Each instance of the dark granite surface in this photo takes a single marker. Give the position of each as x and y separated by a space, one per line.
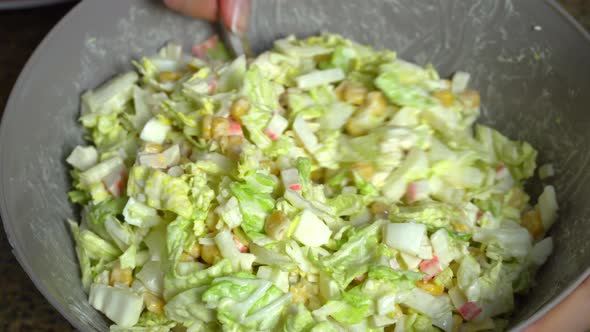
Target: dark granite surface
23 308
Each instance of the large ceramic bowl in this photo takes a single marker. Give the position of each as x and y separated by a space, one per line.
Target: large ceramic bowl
530 61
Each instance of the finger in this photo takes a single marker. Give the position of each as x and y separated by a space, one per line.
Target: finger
569 315
206 9
235 14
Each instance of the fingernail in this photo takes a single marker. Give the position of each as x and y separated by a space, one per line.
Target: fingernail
235 14
241 16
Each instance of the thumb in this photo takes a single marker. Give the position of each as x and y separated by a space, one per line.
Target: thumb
235 14
206 9
569 315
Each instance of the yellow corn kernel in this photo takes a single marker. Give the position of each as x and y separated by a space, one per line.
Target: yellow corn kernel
375 103
445 97
318 175
206 126
364 169
210 254
271 166
153 303
239 107
231 145
184 257
470 98
152 148
223 140
191 66
322 57
379 208
167 76
235 141
354 127
300 293
340 89
211 221
276 225
354 93
430 287
219 127
517 198
474 251
460 228
121 276
531 220
195 250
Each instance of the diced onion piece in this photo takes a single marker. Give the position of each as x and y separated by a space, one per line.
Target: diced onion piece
381 321
154 131
115 182
304 133
541 250
164 159
438 308
385 304
311 231
175 171
96 173
412 262
111 95
319 77
425 249
226 245
120 305
442 247
284 46
417 191
140 215
546 171
460 81
406 237
290 179
83 157
457 297
276 276
547 207
152 277
276 126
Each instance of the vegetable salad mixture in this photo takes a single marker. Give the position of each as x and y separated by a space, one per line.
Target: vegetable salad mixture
321 186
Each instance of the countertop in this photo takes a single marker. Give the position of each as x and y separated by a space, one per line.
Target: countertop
23 307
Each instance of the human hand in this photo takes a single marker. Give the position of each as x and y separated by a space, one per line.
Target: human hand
233 13
572 314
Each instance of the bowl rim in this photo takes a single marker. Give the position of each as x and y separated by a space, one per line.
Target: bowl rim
69 315
4 213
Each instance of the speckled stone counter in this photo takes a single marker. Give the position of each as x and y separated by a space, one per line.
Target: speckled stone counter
23 308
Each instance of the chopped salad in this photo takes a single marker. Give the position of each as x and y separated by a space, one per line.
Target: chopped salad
321 186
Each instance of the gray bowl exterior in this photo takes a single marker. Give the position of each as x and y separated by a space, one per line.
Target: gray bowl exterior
534 85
